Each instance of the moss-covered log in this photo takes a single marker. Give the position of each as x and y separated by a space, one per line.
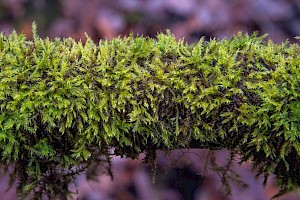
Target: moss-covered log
65 104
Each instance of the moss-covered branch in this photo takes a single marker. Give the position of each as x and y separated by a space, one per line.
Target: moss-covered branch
64 104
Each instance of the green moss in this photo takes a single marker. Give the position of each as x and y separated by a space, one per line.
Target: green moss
65 104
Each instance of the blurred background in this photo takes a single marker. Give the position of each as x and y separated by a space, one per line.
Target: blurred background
190 19
182 174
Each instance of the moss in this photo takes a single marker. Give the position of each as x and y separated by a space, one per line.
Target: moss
65 104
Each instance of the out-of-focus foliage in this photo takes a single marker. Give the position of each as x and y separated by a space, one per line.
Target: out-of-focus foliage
65 104
190 19
20 14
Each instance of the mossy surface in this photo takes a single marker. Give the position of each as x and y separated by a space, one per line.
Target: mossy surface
65 104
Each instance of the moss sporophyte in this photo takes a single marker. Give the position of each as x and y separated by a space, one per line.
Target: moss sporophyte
65 104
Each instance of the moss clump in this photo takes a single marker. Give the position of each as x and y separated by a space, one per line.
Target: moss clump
64 104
